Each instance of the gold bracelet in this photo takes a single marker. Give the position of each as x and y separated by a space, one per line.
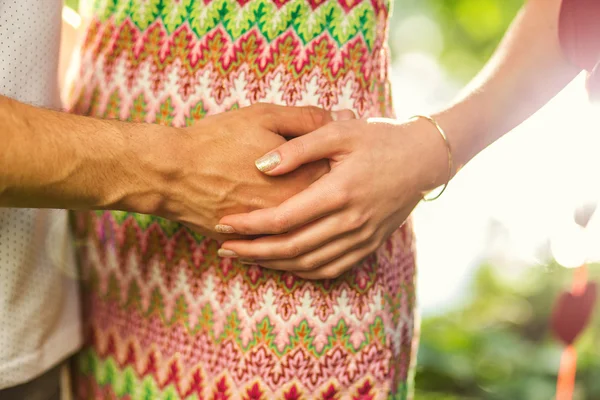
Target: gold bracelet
448 149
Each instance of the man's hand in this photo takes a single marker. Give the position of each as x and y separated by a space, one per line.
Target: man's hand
192 175
208 169
379 171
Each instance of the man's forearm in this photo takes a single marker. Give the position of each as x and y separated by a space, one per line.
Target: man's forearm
50 159
192 175
527 70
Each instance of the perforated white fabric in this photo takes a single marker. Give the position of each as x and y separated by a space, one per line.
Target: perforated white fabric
39 307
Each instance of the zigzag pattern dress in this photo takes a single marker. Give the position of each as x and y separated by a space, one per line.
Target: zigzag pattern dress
165 317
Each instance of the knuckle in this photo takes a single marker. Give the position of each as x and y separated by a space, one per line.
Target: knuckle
341 197
307 265
281 223
263 110
338 133
291 250
356 220
297 147
374 245
367 235
313 116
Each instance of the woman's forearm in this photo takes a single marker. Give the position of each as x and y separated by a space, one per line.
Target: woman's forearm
527 70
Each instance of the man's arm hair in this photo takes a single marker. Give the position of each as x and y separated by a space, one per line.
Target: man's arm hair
51 159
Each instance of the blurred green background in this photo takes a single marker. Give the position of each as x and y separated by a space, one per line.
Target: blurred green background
470 31
495 343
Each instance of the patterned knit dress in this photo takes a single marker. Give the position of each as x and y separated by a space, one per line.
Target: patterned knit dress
165 317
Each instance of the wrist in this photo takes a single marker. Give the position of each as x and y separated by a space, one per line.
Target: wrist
147 170
430 148
458 133
436 169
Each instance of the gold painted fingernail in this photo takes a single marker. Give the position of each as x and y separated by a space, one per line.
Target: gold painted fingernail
224 229
226 253
268 161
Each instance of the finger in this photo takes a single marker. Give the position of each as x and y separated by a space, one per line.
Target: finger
309 240
295 121
319 199
323 255
337 267
320 144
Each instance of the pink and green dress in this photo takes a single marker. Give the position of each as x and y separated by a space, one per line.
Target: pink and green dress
165 317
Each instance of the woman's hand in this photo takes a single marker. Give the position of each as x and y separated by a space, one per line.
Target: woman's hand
379 171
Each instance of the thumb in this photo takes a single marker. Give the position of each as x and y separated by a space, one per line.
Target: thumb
297 121
301 150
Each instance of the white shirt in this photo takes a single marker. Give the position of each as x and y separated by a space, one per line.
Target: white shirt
39 306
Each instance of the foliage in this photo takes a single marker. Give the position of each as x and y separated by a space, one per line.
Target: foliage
497 346
470 30
74 4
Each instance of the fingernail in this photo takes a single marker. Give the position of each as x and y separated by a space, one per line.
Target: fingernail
343 115
226 253
247 261
224 229
268 161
